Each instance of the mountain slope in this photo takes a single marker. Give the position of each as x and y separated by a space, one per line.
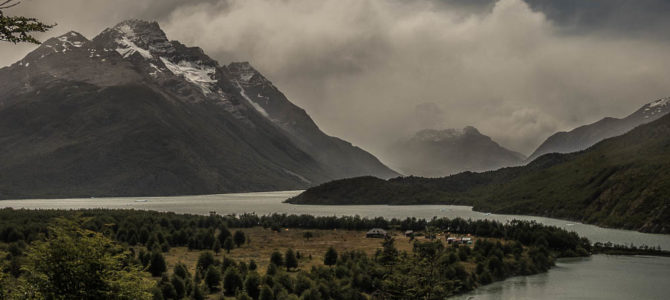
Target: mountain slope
434 153
132 113
344 159
586 136
621 182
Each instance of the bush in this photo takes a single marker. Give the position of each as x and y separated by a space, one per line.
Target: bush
157 265
232 282
290 260
212 278
276 259
331 257
252 285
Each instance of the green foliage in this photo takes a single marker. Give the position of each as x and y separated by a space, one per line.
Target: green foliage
74 263
157 264
205 260
228 244
18 29
276 259
212 278
239 238
266 293
330 258
620 182
252 285
290 260
217 246
232 281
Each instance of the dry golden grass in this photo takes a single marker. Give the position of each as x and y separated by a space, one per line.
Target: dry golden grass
265 241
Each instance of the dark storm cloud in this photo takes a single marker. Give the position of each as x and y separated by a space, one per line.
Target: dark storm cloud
373 71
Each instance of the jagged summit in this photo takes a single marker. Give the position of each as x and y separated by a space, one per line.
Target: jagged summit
136 37
133 113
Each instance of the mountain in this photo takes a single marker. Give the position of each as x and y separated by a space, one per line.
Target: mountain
339 156
621 182
586 136
130 113
437 153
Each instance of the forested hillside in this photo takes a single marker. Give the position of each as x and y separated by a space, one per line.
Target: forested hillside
621 182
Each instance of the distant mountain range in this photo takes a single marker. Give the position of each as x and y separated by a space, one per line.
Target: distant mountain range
131 113
586 136
437 153
621 182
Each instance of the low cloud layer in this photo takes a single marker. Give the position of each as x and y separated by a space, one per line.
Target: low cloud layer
373 71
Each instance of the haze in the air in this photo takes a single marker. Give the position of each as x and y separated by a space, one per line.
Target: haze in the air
373 72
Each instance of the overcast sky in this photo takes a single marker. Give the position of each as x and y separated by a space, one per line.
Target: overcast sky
372 72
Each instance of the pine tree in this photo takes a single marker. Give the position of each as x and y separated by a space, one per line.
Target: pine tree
157 265
228 245
205 260
331 257
232 281
266 293
212 278
276 258
290 260
252 285
217 246
240 238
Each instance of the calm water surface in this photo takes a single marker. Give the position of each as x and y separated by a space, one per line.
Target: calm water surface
600 277
597 277
271 202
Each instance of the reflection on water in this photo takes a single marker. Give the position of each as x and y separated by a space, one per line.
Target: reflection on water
597 277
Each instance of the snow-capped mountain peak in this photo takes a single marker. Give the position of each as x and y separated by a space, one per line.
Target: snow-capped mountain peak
659 106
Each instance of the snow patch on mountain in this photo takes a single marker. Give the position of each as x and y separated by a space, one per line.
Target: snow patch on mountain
195 73
127 48
254 104
655 107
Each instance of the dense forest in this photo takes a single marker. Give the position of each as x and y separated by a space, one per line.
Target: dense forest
622 182
119 254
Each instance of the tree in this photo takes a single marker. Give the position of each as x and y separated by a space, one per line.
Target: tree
228 244
307 235
179 286
212 278
74 263
217 246
276 258
232 281
266 293
252 285
240 238
290 260
252 265
157 265
18 29
181 271
197 293
205 260
331 257
224 233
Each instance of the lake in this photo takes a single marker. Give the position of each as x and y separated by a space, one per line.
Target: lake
597 277
272 202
